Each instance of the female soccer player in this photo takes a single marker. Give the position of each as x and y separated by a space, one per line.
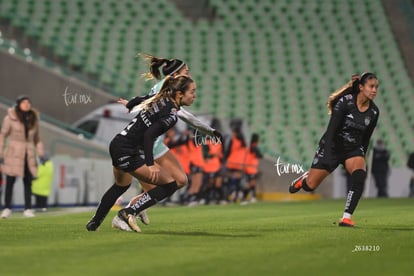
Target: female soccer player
162 154
353 119
132 150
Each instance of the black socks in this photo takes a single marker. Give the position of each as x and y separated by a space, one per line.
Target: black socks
305 186
354 194
151 197
108 200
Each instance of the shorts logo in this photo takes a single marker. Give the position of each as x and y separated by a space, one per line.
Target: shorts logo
124 165
123 158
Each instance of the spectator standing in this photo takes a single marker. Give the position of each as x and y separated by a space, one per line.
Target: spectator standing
381 168
42 184
410 164
21 130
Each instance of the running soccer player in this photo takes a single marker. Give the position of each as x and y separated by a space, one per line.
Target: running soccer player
132 149
354 116
162 155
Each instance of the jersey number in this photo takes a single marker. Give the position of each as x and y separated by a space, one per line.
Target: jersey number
125 131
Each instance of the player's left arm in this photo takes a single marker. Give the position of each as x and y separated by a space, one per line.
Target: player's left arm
369 131
195 122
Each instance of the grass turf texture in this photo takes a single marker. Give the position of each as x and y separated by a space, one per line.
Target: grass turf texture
257 239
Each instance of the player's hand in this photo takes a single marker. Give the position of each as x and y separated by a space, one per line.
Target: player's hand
122 101
154 173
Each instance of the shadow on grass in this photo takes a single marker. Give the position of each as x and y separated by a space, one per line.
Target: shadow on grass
201 233
389 228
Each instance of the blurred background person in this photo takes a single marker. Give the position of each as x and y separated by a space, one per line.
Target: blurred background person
234 158
1 188
213 155
410 165
196 176
42 184
251 169
178 144
20 132
381 168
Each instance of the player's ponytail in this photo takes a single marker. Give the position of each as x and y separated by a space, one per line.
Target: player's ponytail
154 65
169 67
168 90
334 97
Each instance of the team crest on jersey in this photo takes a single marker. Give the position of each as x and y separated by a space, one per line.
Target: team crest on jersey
173 111
367 121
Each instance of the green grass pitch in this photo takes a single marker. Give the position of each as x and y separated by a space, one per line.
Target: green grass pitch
284 238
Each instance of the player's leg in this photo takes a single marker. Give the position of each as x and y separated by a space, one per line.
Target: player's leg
122 183
308 181
321 167
166 186
356 168
166 159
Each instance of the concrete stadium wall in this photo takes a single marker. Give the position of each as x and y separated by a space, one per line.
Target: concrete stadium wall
83 181
54 94
398 184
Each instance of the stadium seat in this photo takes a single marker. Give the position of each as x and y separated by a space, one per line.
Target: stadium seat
275 60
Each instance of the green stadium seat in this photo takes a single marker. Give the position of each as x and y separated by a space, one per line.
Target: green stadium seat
260 59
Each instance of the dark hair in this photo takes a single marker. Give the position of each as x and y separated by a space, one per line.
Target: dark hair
21 98
169 89
352 87
169 66
254 139
30 119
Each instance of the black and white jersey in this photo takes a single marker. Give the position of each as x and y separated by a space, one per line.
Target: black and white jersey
140 134
349 128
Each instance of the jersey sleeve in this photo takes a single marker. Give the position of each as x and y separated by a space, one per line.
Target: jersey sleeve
136 101
337 117
139 99
156 129
193 121
369 131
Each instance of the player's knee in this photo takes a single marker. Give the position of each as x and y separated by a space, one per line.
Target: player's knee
181 180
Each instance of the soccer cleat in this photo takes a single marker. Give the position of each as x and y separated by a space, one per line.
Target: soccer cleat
346 222
28 213
296 184
120 224
6 213
130 219
92 225
144 217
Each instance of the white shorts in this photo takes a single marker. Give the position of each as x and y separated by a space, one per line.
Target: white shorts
159 148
